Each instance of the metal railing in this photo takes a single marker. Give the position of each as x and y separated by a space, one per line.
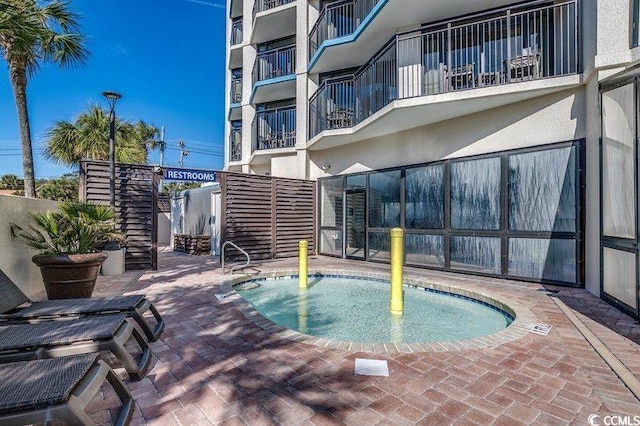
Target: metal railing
510 46
275 128
236 31
262 5
235 145
234 267
274 63
236 91
338 19
332 105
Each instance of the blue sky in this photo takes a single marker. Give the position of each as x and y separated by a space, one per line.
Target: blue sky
167 59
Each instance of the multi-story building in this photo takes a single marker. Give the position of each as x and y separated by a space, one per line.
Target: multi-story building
476 126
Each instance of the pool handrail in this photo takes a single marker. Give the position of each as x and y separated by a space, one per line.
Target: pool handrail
232 244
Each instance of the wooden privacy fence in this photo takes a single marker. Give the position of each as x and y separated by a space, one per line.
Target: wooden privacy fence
267 216
136 206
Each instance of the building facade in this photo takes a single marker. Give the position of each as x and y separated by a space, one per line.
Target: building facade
474 126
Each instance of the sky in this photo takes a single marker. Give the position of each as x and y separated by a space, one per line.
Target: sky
166 58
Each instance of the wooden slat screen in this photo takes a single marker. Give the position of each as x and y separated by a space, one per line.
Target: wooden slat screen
136 206
267 216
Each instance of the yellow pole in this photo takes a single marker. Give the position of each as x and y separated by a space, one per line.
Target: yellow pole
303 249
397 255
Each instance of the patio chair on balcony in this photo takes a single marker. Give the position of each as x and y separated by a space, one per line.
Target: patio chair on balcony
340 118
54 339
523 67
57 390
16 306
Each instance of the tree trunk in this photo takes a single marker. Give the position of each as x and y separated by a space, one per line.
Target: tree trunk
18 75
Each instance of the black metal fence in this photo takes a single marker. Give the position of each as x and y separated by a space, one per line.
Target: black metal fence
275 128
512 45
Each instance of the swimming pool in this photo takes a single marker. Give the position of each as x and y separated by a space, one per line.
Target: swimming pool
348 308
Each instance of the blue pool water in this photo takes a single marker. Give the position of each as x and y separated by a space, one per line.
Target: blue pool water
357 309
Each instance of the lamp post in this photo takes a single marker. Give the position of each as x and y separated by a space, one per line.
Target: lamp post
112 97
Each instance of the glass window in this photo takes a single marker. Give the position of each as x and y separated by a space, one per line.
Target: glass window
548 259
542 191
619 275
424 197
384 199
475 194
618 158
331 242
425 250
331 202
479 254
356 181
379 246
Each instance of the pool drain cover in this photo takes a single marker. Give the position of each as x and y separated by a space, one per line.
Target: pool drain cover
245 286
371 367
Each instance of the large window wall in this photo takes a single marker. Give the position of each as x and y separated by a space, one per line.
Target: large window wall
512 214
619 189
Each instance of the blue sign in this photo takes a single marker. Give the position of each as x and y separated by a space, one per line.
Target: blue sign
189 175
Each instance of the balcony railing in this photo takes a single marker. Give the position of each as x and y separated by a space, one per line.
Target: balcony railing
236 91
262 5
275 63
338 20
235 145
275 128
331 107
236 31
510 46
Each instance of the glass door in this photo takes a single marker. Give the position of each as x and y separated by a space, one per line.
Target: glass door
355 224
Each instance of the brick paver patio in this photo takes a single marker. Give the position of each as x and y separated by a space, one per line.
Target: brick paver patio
215 366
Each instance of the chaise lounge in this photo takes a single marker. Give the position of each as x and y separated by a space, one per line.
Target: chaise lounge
53 339
57 389
16 306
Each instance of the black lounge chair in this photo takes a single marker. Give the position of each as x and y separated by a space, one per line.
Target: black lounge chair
16 306
58 390
53 339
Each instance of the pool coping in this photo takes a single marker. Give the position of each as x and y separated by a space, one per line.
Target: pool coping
524 319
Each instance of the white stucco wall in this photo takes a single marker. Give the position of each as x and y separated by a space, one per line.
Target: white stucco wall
548 119
15 261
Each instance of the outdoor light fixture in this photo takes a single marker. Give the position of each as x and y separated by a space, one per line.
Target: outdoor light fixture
112 98
326 167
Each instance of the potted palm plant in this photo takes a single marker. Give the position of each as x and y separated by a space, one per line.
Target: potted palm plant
68 242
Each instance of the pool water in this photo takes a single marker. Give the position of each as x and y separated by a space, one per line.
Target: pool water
357 309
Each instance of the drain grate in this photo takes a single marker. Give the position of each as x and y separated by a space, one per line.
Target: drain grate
371 367
542 329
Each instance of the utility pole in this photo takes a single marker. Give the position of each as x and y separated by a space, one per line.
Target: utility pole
162 145
183 153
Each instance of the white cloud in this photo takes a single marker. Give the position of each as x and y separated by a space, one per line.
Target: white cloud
207 3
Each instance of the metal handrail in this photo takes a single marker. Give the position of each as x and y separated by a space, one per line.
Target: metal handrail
226 243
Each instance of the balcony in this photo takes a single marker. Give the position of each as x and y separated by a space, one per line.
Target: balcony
274 75
236 31
273 19
235 43
275 128
511 46
235 145
235 99
348 33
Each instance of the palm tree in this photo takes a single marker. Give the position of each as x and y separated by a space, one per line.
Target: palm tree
88 138
32 33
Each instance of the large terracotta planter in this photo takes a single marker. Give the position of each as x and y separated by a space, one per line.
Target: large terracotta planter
69 276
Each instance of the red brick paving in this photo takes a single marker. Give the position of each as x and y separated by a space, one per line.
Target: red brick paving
215 366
